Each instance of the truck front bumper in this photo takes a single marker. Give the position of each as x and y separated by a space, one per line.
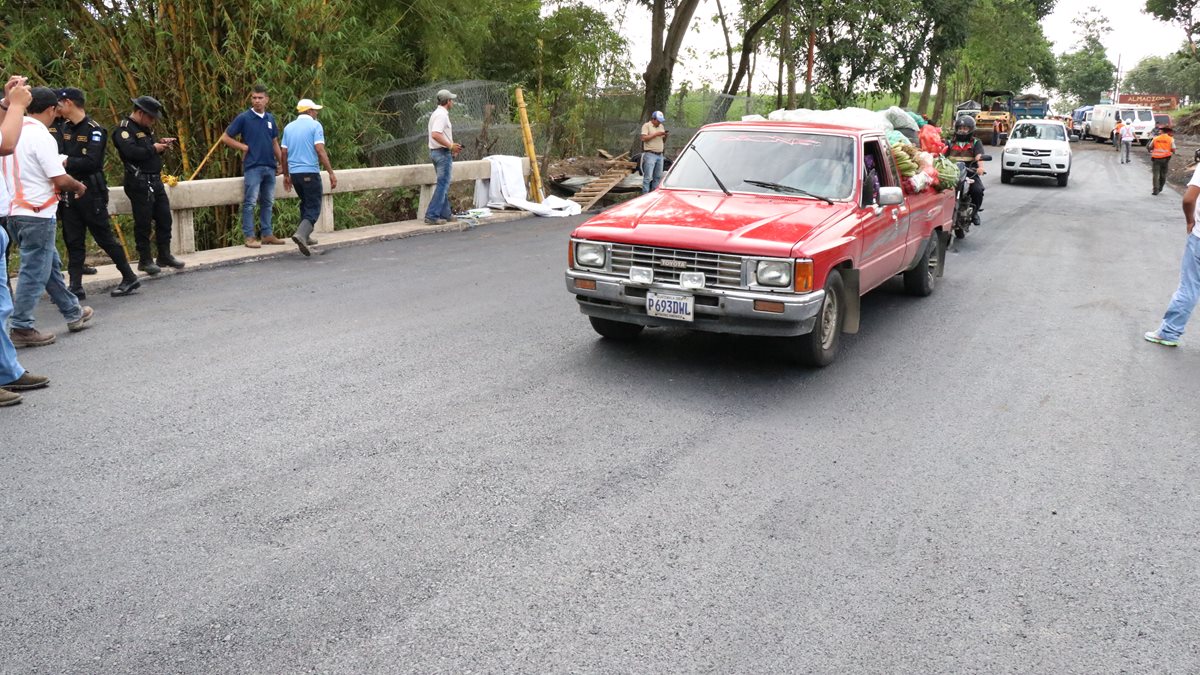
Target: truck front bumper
715 310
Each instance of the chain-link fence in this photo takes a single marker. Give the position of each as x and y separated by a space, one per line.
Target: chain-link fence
615 117
483 117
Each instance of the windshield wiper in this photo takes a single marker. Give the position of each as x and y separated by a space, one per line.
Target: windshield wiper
710 170
779 187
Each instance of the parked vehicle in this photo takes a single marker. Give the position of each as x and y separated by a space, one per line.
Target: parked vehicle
996 119
1104 121
1160 120
762 228
1079 119
1028 106
1087 125
1037 148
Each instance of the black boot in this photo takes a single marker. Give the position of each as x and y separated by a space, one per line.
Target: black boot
165 259
146 263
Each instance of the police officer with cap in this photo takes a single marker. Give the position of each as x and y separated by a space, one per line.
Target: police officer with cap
142 156
82 141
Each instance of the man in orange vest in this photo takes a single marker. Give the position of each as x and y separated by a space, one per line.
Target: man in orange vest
34 174
1116 135
1161 150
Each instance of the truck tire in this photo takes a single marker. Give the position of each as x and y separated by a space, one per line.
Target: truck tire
615 330
1062 179
920 280
1006 176
820 347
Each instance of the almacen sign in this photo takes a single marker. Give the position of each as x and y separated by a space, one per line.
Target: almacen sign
1160 102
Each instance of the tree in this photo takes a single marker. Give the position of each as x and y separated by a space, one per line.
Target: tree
666 38
1177 74
1183 13
1086 73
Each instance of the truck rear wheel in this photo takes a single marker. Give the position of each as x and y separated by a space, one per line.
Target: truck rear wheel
820 347
920 280
615 330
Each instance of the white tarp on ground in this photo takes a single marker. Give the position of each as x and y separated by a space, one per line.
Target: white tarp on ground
506 188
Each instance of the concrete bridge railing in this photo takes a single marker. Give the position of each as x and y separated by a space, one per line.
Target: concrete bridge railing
188 196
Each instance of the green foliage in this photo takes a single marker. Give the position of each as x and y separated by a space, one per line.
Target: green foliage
1175 74
1182 13
1086 72
1021 57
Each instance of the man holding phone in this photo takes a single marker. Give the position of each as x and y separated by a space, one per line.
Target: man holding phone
142 156
654 136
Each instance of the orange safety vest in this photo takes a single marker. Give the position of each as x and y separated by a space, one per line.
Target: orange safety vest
1160 147
19 188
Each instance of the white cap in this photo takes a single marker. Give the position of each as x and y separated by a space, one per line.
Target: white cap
307 104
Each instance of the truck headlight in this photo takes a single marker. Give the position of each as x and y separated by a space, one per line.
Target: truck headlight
1012 150
1061 152
588 254
774 273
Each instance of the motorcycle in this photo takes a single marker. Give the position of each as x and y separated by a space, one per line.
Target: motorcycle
964 210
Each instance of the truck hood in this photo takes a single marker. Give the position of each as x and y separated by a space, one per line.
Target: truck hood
1037 144
746 224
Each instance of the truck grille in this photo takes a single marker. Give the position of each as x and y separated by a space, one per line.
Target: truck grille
720 270
1035 153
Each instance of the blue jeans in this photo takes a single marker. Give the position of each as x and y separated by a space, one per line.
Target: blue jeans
260 187
10 370
443 163
41 269
308 189
1184 300
652 167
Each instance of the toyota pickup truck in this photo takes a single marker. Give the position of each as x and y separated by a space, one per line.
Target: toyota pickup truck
762 228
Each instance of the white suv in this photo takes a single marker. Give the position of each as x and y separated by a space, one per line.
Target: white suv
1037 148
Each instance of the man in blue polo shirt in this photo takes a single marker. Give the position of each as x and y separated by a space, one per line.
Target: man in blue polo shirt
260 164
303 146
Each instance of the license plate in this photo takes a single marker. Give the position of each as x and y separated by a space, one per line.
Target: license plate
1035 162
670 306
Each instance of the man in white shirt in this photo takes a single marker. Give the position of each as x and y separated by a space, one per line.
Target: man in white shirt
13 378
1127 138
1184 300
35 174
442 151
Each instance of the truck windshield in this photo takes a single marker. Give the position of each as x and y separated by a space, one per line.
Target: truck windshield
1145 116
1044 132
816 163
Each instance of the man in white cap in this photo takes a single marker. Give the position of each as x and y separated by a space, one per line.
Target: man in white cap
442 151
654 136
302 147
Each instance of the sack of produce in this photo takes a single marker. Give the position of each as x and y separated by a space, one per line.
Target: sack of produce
899 118
931 139
895 137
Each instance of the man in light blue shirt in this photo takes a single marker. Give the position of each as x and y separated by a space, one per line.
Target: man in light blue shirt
302 147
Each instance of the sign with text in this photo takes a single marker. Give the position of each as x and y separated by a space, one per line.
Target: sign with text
1160 102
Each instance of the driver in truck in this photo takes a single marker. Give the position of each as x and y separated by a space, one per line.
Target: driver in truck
965 148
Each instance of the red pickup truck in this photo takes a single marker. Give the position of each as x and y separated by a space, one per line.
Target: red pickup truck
762 228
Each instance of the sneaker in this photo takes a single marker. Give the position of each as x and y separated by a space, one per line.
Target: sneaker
1153 336
30 337
8 398
78 293
126 287
252 242
147 265
273 240
26 382
82 322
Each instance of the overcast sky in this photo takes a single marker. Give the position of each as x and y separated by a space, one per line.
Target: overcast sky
1135 35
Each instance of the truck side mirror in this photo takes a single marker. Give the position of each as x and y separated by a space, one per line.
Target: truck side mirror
891 196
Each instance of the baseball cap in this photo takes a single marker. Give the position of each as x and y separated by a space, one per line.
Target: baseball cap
658 116
307 104
43 97
70 94
445 95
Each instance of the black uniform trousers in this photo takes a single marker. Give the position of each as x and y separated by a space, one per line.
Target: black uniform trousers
89 214
151 208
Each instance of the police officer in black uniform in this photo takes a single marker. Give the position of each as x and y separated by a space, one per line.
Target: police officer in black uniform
83 141
142 156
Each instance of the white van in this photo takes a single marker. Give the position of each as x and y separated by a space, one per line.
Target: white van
1104 120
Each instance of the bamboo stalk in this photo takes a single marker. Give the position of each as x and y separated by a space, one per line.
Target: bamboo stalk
535 175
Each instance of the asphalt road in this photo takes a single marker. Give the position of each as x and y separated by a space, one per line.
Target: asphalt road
415 456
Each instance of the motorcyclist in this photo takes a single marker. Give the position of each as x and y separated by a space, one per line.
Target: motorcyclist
965 148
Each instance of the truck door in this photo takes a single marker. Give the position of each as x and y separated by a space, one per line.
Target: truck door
883 229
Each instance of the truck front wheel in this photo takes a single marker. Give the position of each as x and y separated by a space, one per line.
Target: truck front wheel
820 347
615 330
